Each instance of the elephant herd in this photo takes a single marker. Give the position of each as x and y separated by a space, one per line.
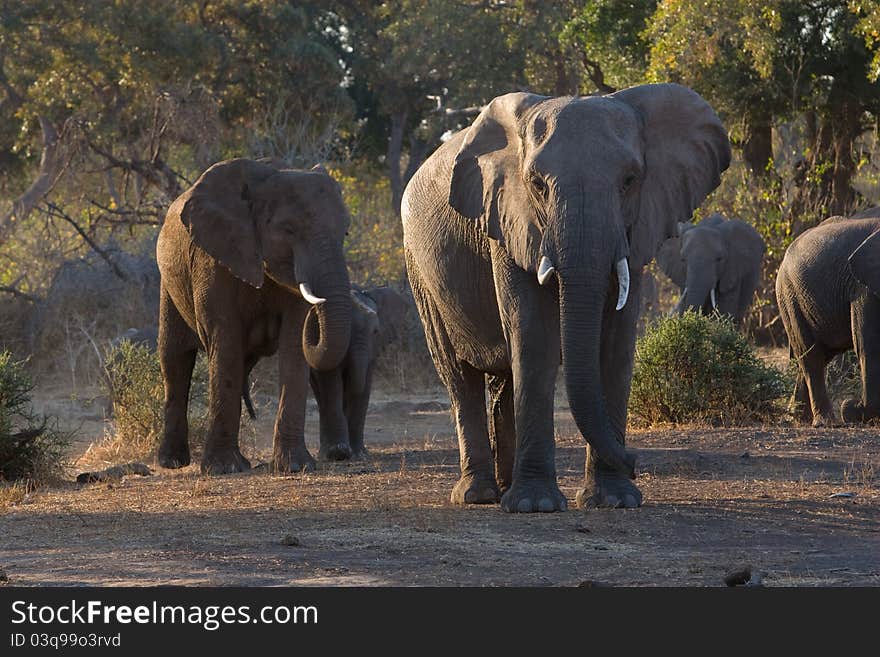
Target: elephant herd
525 236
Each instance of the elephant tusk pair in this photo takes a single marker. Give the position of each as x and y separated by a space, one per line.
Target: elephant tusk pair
307 294
546 269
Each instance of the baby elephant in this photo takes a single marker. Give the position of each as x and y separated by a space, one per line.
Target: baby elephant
343 393
717 265
827 289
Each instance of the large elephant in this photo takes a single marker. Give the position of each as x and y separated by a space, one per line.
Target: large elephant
716 264
828 291
343 393
525 237
251 263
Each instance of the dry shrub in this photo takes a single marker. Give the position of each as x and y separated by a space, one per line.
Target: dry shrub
136 390
701 369
31 447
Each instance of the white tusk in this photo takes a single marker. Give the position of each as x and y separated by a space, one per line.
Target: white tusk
545 270
360 304
623 282
308 296
712 299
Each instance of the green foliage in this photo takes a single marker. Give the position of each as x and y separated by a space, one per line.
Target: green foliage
136 390
30 447
696 368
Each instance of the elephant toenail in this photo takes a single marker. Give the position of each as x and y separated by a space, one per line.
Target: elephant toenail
612 501
470 497
524 506
629 502
545 505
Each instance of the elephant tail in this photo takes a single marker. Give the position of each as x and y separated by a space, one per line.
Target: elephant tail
246 397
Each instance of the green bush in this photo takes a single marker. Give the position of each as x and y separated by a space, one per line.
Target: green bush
30 447
696 368
137 392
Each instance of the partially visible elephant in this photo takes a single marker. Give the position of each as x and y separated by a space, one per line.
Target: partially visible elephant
252 263
525 238
716 264
828 291
343 393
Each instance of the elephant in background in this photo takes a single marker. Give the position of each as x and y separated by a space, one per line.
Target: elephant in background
251 263
828 291
525 237
343 393
716 264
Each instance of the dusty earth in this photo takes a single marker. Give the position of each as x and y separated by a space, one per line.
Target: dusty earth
715 500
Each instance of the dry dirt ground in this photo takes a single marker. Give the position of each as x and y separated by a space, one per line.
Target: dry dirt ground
715 499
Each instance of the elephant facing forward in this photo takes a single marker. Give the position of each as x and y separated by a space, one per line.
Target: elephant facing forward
716 264
343 393
525 237
251 263
828 291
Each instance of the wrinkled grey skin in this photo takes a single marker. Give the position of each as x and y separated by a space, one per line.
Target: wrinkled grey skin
583 182
343 393
828 291
233 252
716 254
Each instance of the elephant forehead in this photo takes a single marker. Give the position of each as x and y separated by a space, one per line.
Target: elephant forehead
702 241
600 116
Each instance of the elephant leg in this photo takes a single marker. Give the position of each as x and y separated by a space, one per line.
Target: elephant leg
225 375
289 452
812 365
604 486
178 348
502 433
328 389
866 342
467 396
800 400
355 406
530 318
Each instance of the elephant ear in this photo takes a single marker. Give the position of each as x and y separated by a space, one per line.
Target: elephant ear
865 262
745 250
487 182
686 150
216 211
670 262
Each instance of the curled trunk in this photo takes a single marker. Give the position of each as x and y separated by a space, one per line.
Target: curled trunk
327 328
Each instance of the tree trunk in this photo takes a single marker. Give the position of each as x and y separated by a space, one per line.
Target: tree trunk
50 170
395 149
758 145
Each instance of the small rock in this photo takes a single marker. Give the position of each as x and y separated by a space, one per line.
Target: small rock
3 576
290 540
847 495
582 529
745 455
738 577
592 584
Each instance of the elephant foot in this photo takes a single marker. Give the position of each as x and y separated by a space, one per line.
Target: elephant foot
852 411
224 461
337 452
173 457
293 459
533 496
359 453
824 420
610 491
475 489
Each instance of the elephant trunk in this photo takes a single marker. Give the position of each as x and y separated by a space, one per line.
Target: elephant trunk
698 293
327 328
582 303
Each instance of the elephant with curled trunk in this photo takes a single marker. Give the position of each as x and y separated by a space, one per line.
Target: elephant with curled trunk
251 263
525 238
828 292
716 264
343 393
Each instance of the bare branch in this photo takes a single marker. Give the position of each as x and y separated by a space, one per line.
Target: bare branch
596 75
55 211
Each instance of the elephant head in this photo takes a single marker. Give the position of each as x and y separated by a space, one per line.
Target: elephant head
582 191
707 261
259 220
